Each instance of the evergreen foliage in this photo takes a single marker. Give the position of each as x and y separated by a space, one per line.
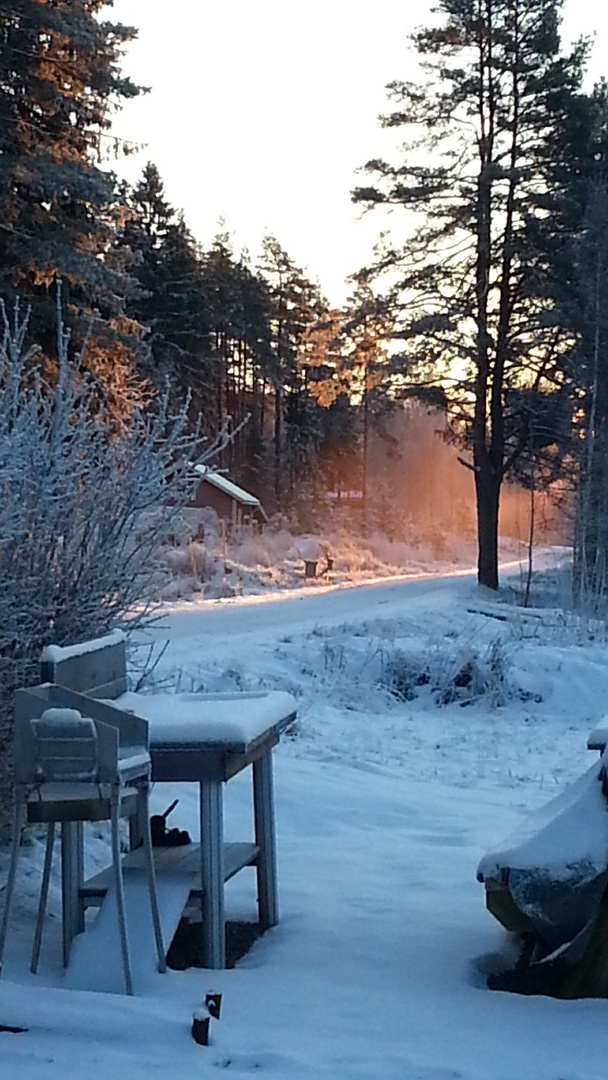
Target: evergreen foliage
296 304
168 302
60 81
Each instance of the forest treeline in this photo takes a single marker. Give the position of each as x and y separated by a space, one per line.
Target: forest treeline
485 298
241 338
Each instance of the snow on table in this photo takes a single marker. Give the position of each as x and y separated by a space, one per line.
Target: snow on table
378 966
234 720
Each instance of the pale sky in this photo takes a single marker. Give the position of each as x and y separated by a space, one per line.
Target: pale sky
261 111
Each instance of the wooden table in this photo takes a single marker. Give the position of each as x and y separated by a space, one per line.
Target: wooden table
208 739
179 753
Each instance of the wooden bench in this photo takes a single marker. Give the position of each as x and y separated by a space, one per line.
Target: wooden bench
206 739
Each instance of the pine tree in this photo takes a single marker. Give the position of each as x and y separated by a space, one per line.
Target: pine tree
178 321
471 287
351 378
145 232
222 302
248 454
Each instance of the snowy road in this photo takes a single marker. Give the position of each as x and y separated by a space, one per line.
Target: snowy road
247 630
309 607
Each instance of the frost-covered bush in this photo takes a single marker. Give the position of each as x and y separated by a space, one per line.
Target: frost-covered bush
464 674
474 674
84 509
404 673
192 560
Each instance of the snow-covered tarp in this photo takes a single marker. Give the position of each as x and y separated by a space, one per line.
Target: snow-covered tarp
570 831
555 866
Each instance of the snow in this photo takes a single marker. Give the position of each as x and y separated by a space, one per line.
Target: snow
599 736
248 562
572 830
62 716
235 720
386 801
53 654
308 549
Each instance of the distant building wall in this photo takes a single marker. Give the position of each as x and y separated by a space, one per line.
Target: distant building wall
225 505
208 495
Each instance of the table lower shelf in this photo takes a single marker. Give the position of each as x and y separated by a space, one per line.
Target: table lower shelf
169 860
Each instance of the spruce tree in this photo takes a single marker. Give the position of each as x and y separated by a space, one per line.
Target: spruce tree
60 81
170 301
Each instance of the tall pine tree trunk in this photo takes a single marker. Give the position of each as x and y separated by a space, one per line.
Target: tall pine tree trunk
489 421
487 488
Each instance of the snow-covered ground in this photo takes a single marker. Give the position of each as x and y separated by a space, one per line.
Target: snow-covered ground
432 718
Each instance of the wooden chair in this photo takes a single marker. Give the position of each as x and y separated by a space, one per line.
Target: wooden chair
68 768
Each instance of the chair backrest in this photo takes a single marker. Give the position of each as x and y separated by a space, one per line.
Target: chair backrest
97 668
65 747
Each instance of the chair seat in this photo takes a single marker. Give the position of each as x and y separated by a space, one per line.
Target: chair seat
78 802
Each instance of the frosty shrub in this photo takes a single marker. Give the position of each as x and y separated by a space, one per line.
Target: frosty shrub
403 674
465 675
252 550
192 562
84 509
472 674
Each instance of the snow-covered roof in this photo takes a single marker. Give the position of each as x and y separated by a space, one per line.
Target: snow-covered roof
220 481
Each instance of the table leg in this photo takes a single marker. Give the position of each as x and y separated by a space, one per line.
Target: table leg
79 860
71 840
263 805
212 874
